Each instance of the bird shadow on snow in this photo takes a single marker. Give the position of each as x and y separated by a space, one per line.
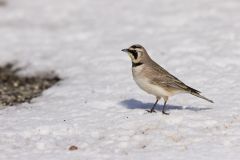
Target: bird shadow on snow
136 104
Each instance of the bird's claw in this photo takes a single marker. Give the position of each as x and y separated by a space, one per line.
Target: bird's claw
163 112
151 111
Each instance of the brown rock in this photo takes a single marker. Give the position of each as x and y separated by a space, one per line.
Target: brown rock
73 148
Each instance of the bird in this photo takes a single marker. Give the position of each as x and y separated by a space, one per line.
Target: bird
154 79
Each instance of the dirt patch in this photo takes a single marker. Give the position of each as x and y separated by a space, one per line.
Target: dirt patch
16 89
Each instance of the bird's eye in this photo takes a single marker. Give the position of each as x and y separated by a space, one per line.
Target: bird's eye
134 53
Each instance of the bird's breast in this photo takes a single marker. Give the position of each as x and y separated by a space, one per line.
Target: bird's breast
137 71
145 84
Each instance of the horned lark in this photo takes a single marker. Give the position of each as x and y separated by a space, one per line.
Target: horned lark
154 79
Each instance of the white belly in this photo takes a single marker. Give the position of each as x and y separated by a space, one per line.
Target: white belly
145 84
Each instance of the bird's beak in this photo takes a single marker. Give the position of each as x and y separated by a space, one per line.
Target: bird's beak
125 50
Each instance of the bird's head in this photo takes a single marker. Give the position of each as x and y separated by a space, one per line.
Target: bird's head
136 53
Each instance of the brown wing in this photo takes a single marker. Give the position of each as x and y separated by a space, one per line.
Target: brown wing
163 78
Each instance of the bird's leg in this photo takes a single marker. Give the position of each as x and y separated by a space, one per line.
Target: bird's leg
164 106
153 107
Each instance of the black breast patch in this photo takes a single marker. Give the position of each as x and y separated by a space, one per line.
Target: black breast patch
136 64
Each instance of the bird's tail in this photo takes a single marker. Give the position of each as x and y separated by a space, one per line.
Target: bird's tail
197 94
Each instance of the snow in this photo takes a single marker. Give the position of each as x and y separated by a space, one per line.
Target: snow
98 107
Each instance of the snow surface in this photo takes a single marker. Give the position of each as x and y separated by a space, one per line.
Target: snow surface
97 106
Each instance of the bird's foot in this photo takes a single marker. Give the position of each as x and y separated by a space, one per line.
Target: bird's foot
163 112
151 111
